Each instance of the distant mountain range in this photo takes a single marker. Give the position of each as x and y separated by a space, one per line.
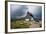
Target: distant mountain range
28 17
20 11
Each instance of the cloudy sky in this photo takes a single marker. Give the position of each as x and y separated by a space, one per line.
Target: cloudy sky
20 11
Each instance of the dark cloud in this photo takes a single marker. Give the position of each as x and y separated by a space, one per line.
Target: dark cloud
20 10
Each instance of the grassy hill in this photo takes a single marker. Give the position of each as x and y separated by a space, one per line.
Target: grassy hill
21 23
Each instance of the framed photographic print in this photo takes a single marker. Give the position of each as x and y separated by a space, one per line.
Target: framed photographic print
24 16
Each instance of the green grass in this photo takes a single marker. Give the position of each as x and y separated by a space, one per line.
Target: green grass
19 24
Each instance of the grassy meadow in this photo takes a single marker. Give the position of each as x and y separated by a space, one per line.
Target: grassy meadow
21 23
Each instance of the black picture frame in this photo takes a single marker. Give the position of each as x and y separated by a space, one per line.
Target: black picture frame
6 16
